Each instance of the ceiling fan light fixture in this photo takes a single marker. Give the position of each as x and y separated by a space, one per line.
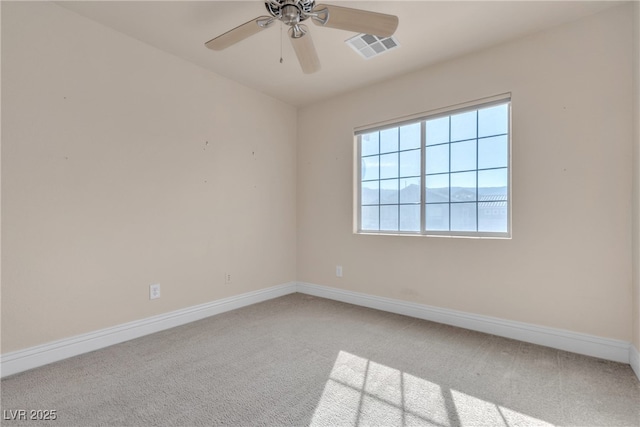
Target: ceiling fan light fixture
290 15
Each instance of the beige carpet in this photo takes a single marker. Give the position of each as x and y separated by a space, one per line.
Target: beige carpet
300 360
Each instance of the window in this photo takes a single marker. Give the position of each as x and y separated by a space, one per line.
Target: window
445 173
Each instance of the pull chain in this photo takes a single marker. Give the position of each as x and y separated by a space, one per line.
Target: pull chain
281 42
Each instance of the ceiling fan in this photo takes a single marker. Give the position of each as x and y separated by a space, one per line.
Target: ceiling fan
294 12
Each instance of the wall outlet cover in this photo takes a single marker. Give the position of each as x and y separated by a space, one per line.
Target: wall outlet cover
154 291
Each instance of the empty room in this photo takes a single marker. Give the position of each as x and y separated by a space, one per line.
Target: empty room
297 213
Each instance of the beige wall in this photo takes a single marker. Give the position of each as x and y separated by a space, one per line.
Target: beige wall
568 265
636 181
123 166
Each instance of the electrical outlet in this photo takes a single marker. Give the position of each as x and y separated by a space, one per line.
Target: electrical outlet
338 271
227 278
154 291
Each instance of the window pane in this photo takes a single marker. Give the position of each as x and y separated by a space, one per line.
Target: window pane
410 136
369 194
437 188
389 140
389 218
493 120
410 163
463 126
389 166
437 217
369 144
370 167
463 217
463 156
410 218
493 185
369 218
410 190
493 152
437 159
389 191
437 131
458 185
463 187
492 217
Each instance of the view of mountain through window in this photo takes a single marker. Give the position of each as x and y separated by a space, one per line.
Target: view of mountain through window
445 174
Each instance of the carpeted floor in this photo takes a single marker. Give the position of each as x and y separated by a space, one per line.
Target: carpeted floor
300 360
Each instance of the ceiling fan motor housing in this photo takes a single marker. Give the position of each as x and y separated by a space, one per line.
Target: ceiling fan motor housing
290 12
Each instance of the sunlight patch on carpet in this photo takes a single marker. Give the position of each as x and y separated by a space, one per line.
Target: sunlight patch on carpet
471 409
362 392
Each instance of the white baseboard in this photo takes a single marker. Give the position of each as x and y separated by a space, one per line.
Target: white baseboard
604 348
634 360
22 360
33 357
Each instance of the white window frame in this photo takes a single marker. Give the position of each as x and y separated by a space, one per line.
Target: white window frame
422 118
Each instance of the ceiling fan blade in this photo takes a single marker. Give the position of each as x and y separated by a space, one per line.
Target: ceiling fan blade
304 48
240 33
356 20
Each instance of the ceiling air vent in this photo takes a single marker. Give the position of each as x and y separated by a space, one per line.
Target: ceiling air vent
369 46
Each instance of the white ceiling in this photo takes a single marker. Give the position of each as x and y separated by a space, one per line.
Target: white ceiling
429 32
